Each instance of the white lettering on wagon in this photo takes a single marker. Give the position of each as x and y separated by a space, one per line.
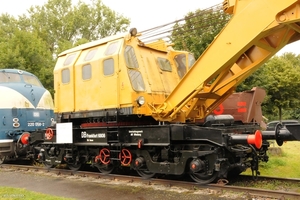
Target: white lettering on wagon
35 124
84 134
135 133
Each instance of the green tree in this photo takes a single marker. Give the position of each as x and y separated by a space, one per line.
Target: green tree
280 78
198 30
282 82
7 27
32 41
61 25
24 50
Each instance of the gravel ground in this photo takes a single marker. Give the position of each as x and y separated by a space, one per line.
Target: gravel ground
84 188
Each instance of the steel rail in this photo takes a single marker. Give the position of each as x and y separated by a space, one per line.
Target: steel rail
219 188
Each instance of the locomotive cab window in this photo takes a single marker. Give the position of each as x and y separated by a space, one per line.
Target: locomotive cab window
9 77
65 76
136 80
130 58
135 76
32 80
164 64
69 59
90 55
108 67
112 48
191 60
86 72
183 63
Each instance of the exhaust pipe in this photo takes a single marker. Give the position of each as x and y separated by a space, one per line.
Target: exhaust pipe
291 132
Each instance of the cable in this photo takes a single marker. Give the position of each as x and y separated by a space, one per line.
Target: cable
164 31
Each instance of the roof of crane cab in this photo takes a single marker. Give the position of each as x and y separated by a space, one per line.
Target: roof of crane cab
159 45
94 43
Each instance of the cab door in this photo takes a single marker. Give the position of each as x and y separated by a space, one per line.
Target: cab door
64 77
109 87
96 84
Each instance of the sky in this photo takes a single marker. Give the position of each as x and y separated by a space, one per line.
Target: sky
143 14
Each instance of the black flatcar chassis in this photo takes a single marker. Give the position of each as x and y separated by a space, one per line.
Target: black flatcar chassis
205 153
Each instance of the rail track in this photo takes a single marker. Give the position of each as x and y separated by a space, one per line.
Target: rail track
268 178
222 188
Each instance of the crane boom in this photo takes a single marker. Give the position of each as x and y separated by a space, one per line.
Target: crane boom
257 30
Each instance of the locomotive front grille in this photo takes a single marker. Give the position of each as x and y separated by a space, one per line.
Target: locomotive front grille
6 147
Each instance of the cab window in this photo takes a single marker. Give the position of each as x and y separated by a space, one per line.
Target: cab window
65 76
90 55
130 58
112 48
32 80
86 72
181 63
9 77
164 64
136 80
134 74
69 59
108 67
191 60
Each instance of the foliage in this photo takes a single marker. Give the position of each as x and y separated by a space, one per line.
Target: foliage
58 21
199 30
24 50
280 78
33 41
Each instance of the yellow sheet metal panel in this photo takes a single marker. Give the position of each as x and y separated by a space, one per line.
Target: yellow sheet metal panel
109 87
152 72
87 79
57 78
228 6
64 83
151 100
123 82
158 71
159 45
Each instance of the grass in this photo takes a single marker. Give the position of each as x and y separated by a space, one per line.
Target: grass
285 163
9 193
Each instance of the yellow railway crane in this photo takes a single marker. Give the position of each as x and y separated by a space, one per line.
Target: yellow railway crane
240 48
122 101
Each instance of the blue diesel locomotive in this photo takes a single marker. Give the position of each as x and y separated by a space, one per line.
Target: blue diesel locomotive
25 106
